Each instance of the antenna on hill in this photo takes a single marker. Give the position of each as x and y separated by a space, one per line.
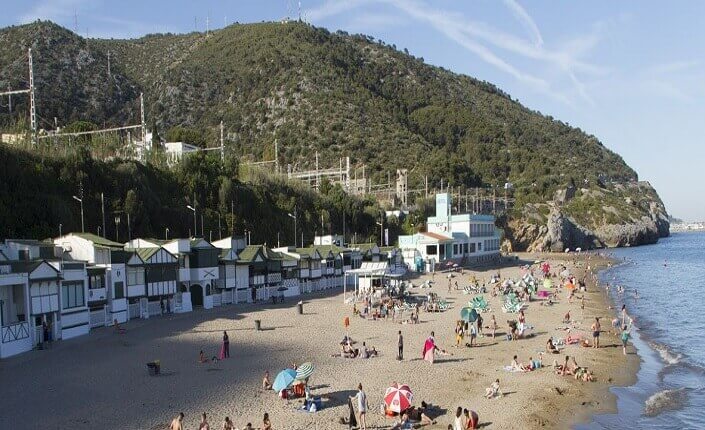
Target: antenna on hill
195 23
208 22
75 22
299 10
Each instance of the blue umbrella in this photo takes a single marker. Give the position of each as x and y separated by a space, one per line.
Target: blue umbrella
468 314
283 380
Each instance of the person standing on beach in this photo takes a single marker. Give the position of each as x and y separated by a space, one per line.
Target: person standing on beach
624 314
226 345
204 423
228 424
177 423
266 423
361 405
493 326
596 333
625 339
479 324
400 344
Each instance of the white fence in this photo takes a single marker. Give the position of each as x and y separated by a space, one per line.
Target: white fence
98 318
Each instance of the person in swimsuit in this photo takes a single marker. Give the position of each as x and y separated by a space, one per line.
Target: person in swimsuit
228 424
625 339
596 333
266 423
266 383
177 423
204 423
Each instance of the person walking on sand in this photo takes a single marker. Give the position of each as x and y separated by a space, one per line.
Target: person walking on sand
226 345
625 339
493 326
400 344
596 333
479 324
361 405
204 423
177 423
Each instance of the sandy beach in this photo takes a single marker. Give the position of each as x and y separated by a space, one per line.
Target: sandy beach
101 381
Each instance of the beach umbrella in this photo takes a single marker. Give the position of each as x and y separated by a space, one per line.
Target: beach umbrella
284 379
398 398
468 314
304 371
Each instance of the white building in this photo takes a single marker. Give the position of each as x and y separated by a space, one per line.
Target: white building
460 238
175 151
234 277
39 286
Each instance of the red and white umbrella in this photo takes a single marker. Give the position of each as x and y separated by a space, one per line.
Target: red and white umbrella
398 398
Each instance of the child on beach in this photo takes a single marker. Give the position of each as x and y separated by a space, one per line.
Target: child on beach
493 390
493 326
459 333
473 335
625 339
266 383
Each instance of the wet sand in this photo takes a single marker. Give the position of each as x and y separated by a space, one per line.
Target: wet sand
101 381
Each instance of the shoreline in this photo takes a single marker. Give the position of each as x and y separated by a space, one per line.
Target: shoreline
626 376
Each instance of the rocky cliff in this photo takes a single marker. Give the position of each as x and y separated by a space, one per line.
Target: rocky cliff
609 216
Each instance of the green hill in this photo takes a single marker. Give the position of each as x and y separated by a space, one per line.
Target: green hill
312 90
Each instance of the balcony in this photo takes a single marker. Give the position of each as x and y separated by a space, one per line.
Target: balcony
257 280
96 294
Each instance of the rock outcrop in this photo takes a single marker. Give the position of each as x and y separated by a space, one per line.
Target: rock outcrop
627 215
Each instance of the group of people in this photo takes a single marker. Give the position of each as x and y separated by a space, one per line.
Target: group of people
224 351
178 423
464 420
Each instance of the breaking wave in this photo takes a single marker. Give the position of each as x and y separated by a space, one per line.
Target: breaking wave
666 400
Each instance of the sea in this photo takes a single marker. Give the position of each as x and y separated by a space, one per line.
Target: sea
664 292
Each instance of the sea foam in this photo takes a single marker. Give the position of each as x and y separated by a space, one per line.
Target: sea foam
666 400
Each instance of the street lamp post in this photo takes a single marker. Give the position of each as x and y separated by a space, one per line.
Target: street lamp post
166 233
381 232
295 216
195 231
83 228
117 228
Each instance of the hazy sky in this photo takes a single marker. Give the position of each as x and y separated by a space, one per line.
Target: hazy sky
630 72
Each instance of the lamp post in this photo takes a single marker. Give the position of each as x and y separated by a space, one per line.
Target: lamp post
83 229
166 233
60 225
381 232
117 228
295 216
195 231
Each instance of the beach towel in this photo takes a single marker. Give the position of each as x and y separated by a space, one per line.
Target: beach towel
511 369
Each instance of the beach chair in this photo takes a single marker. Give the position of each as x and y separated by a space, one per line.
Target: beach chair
479 304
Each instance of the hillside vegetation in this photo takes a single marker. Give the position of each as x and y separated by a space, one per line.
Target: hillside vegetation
311 90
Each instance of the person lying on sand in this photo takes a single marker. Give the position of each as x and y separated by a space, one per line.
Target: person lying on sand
493 390
418 414
203 359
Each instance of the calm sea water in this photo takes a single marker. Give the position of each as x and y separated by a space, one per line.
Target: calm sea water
669 316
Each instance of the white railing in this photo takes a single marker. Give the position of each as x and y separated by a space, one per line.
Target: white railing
15 332
133 310
274 277
97 318
155 308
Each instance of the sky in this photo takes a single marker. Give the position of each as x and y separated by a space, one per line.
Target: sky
631 73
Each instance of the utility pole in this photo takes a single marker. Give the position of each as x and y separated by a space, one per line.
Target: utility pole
222 144
102 208
276 155
129 229
318 179
144 126
32 106
232 218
